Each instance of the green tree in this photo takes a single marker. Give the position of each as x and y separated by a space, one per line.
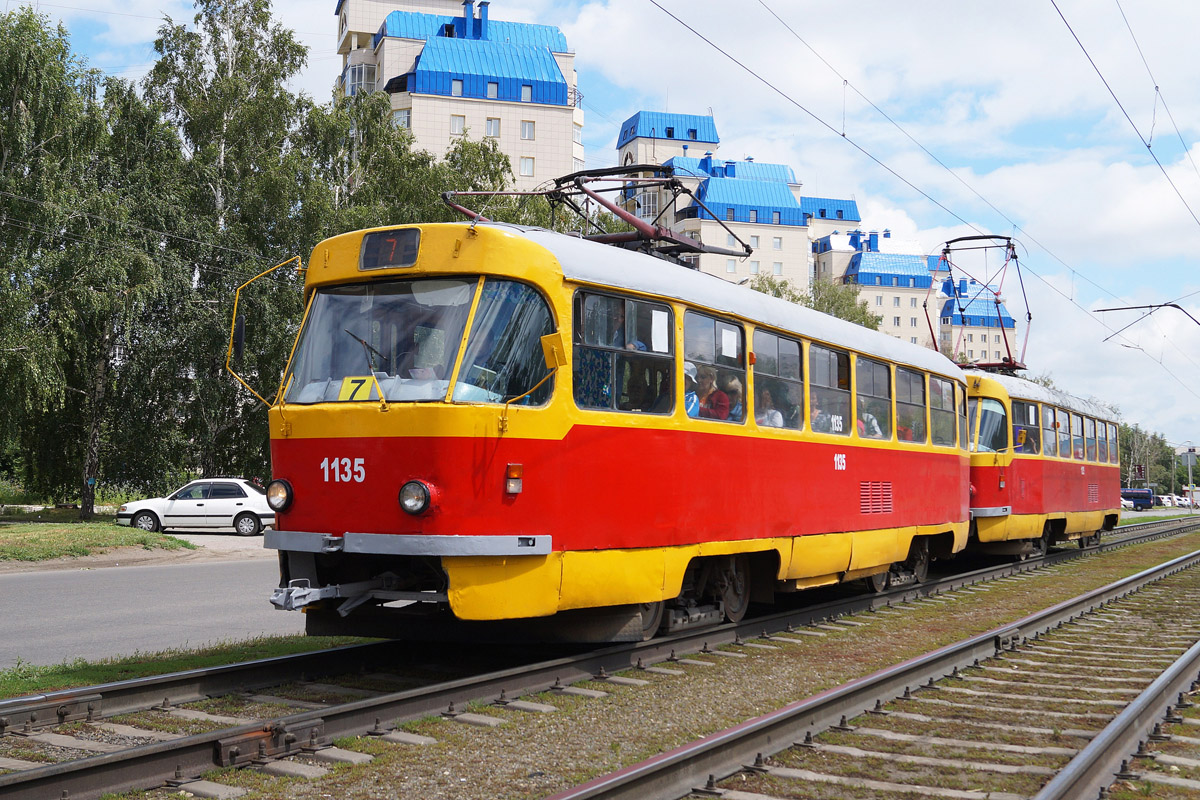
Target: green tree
836 299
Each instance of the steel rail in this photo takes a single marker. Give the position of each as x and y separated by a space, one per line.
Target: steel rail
678 772
1096 764
151 765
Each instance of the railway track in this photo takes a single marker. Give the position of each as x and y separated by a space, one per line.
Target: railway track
305 715
1057 705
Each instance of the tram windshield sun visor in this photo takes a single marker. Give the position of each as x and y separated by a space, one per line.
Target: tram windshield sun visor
402 337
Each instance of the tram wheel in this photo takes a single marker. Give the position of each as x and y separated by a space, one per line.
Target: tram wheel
918 559
735 595
1041 546
652 617
879 583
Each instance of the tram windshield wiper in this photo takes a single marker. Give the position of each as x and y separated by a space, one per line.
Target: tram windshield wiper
367 350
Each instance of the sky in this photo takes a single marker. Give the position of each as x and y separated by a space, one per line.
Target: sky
1070 125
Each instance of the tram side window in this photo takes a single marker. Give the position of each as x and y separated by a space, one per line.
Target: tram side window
910 406
778 382
873 385
718 350
504 358
993 426
1026 430
1102 442
941 411
1077 436
623 354
1113 456
829 387
1049 432
1089 433
963 438
1064 434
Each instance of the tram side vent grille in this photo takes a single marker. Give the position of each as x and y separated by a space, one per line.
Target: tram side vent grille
875 497
1093 493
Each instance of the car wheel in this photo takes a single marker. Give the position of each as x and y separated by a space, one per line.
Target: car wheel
146 521
247 525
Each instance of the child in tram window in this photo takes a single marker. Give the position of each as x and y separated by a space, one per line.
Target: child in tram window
733 390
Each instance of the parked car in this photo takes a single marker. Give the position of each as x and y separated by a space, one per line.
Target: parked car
206 503
1126 505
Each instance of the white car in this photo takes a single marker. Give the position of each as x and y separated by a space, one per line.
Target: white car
205 503
1126 505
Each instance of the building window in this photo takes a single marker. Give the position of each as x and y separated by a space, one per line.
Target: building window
777 243
647 205
526 167
912 322
526 93
896 322
912 302
729 215
997 338
527 129
945 320
753 267
839 214
456 88
731 265
997 355
360 78
670 132
458 124
878 299
754 242
822 213
912 339
970 354
493 90
578 164
777 267
754 215
896 302
775 217
402 118
578 134
493 127
970 337
692 134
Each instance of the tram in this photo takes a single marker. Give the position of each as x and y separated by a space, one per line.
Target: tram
505 430
1045 466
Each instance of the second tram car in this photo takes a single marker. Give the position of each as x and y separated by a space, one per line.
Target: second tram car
1045 466
484 422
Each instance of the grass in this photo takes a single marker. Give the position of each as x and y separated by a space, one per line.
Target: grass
1129 519
51 514
25 679
43 541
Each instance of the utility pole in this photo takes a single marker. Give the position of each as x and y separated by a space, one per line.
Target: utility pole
1191 458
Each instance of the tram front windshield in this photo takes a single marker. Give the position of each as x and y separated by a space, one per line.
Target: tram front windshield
989 425
403 337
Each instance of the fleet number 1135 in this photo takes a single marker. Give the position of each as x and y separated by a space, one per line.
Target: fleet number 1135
343 470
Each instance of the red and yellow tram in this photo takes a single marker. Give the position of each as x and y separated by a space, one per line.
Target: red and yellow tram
489 422
1045 466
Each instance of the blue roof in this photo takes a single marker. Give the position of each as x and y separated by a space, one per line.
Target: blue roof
889 269
417 25
978 308
477 63
743 195
828 208
675 127
753 170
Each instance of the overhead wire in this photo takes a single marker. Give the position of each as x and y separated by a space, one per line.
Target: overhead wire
908 183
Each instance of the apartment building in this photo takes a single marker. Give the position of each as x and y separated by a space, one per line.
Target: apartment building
758 203
451 71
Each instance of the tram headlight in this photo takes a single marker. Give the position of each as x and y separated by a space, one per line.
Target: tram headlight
415 497
279 495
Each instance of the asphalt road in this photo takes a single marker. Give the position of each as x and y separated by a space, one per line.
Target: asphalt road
50 616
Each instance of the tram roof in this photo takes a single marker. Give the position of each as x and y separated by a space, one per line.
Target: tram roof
1021 389
613 267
